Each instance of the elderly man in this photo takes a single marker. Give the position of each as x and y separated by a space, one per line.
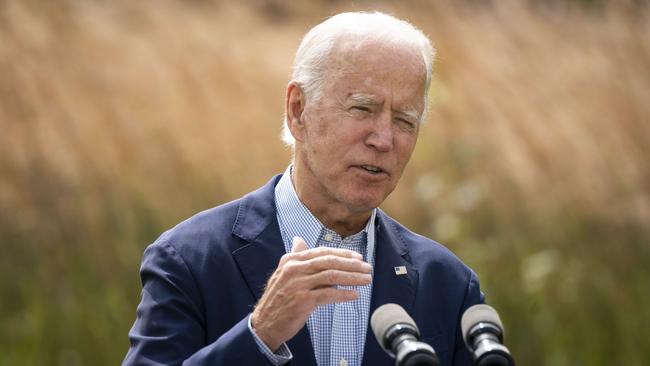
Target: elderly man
290 273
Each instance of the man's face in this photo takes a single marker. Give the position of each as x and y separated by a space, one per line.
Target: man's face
361 132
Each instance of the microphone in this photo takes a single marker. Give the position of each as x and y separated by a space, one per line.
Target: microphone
398 335
483 335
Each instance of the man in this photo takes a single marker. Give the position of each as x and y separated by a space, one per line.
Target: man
291 273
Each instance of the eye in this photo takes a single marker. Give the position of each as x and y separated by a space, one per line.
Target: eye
406 123
361 108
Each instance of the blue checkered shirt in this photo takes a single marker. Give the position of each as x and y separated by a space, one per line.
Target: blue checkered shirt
337 331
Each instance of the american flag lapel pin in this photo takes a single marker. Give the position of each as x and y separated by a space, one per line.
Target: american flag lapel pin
400 270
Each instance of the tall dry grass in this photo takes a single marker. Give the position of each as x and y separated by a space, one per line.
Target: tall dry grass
118 119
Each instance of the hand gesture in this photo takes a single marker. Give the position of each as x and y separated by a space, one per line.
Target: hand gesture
304 279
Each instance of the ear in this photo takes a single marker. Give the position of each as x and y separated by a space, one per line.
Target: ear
294 109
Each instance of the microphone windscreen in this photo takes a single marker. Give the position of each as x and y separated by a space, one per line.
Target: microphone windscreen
385 317
480 313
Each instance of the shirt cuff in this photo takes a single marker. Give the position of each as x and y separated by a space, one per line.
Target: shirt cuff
281 357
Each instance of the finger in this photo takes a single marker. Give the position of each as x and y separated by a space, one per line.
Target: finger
321 251
298 245
326 262
297 269
328 295
334 277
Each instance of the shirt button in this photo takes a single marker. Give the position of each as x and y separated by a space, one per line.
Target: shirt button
329 237
343 362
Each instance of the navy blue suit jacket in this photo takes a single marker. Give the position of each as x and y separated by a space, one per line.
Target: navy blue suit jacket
202 278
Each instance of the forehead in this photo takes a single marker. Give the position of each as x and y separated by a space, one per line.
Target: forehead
378 69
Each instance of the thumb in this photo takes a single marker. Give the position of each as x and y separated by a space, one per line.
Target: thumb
298 244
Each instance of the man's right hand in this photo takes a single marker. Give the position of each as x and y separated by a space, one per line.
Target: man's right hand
304 279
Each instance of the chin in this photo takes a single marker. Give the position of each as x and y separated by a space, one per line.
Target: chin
364 203
363 198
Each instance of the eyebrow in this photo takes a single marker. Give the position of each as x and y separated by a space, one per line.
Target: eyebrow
367 99
410 112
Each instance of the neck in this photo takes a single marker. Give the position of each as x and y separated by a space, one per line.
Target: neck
333 214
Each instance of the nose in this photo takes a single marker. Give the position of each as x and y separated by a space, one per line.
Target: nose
380 136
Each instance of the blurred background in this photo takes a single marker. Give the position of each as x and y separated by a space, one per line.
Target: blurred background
118 119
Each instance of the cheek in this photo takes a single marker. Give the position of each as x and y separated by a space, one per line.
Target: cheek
404 151
339 137
323 132
405 142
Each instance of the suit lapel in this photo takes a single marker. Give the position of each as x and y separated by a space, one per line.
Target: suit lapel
258 259
257 224
388 286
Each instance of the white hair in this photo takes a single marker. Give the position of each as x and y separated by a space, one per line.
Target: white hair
311 63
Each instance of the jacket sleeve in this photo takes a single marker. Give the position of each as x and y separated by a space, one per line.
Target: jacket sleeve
170 325
473 296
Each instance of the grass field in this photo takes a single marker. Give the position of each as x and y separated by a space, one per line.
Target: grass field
119 119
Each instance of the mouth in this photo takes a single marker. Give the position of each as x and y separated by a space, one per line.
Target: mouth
372 169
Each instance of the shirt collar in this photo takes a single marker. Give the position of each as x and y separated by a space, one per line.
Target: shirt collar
296 219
